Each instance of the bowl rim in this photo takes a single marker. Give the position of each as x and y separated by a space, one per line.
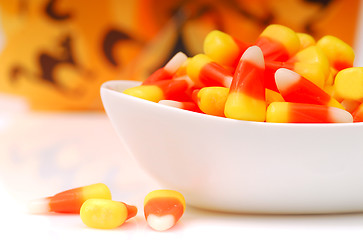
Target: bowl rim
110 86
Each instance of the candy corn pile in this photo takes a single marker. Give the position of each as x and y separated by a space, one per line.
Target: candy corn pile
284 77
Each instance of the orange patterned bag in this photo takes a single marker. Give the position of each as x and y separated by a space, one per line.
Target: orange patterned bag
57 53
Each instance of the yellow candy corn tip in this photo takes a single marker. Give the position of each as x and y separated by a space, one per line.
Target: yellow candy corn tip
349 83
314 55
242 107
221 47
312 72
212 100
306 40
97 190
277 112
336 49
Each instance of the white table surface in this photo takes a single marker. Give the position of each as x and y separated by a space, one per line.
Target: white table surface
44 153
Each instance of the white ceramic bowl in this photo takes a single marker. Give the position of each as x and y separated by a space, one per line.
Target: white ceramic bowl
239 166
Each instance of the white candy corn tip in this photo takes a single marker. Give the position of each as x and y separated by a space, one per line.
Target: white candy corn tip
286 78
38 206
340 116
171 103
186 78
227 81
160 223
254 55
175 62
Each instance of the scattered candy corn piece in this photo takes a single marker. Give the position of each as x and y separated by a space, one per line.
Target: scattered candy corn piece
105 213
69 201
246 98
163 209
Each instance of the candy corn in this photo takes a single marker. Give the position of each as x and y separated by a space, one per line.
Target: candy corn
204 72
295 88
306 40
278 42
287 112
163 208
289 71
69 201
169 69
246 98
310 62
349 83
340 54
105 213
223 48
211 100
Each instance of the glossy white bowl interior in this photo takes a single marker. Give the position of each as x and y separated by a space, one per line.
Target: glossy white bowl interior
238 166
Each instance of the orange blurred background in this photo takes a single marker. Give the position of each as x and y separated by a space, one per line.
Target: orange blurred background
57 53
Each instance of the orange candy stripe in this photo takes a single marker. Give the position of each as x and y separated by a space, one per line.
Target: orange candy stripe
131 211
309 113
69 201
300 90
163 206
160 74
172 89
272 50
248 79
213 74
